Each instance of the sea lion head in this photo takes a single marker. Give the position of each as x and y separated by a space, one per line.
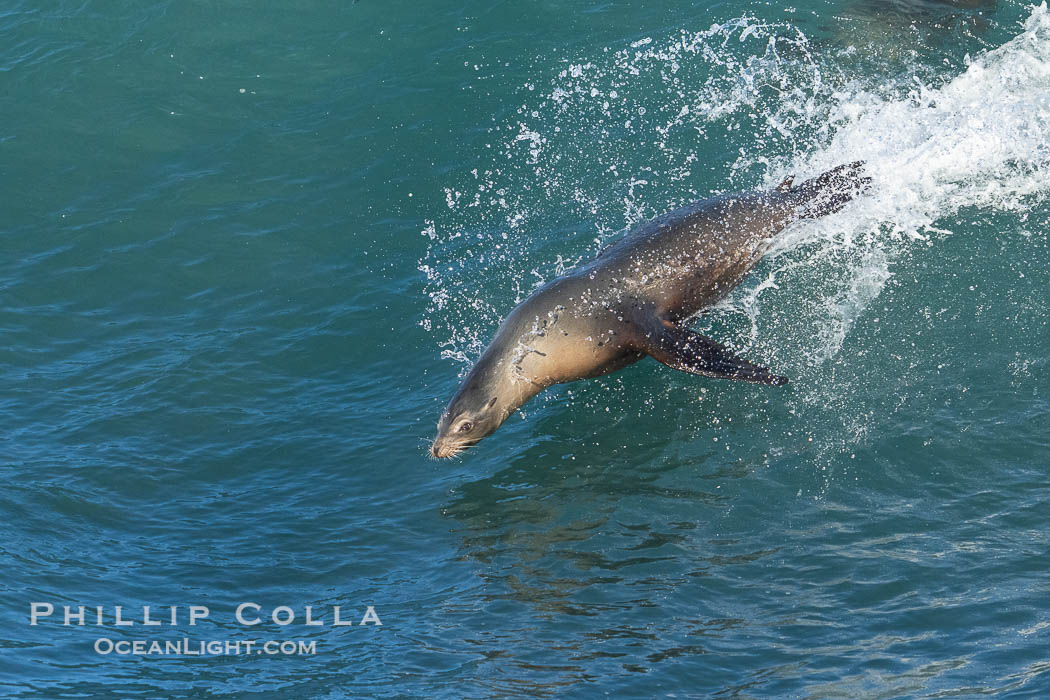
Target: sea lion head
472 414
514 367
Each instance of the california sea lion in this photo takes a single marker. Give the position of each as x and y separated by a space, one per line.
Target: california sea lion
631 301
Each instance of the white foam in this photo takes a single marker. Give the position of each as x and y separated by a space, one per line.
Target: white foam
981 140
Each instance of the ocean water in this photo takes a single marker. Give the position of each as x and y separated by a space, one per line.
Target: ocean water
249 249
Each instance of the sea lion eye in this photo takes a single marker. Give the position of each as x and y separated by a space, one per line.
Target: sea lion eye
466 427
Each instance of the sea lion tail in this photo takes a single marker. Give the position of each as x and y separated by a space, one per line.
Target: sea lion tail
829 192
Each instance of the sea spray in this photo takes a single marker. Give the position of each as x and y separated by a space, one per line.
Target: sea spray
625 136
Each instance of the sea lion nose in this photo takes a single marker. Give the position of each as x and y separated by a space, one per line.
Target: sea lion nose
443 448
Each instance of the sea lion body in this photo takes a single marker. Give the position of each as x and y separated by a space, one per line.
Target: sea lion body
629 301
692 257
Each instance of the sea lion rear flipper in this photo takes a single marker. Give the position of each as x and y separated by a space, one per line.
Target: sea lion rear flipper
697 354
829 192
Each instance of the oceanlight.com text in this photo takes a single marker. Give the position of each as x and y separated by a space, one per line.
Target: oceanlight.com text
214 647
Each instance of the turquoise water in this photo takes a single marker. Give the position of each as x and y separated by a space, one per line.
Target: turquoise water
249 249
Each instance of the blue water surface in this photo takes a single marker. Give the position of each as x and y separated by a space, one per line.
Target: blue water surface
250 248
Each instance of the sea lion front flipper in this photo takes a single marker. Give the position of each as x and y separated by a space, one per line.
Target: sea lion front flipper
697 354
